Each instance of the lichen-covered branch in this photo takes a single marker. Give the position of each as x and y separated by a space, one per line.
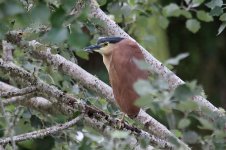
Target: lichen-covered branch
42 132
37 103
41 52
74 104
18 92
76 72
105 130
110 28
7 51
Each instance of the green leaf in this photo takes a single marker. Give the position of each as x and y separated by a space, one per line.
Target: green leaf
82 54
143 87
204 16
196 3
187 106
144 101
58 17
11 8
163 22
216 11
187 1
57 35
213 3
186 14
142 64
171 10
131 2
193 25
35 121
78 39
177 133
206 124
101 2
223 17
190 137
46 77
119 134
183 92
221 28
183 123
177 59
40 13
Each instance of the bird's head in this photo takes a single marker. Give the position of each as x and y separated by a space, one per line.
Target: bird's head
104 45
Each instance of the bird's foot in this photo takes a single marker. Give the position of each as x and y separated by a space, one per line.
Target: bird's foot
120 121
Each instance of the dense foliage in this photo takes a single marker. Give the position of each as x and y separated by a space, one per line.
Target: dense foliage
185 28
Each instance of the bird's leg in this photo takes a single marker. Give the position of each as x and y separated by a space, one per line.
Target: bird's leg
121 121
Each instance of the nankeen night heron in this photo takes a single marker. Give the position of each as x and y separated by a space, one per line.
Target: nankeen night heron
118 56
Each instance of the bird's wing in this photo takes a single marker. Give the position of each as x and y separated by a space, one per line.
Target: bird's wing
123 74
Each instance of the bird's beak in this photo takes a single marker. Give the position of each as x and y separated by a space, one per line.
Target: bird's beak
92 48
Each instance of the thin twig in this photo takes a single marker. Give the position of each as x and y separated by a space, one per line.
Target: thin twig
11 133
18 92
37 103
42 132
7 51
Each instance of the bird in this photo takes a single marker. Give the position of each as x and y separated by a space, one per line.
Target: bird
119 55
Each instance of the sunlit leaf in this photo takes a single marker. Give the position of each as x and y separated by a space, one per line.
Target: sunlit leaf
40 13
196 3
183 92
163 22
177 133
187 1
46 77
82 54
205 123
216 11
142 64
190 137
119 134
143 87
177 59
171 10
214 3
10 8
186 14
131 2
187 106
221 28
193 25
183 123
57 35
204 16
144 101
223 17
78 40
101 2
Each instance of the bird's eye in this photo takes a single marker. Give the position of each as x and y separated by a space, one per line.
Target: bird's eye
104 44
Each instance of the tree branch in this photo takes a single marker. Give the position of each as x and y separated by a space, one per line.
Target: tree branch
7 51
42 132
18 92
39 51
55 95
37 103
